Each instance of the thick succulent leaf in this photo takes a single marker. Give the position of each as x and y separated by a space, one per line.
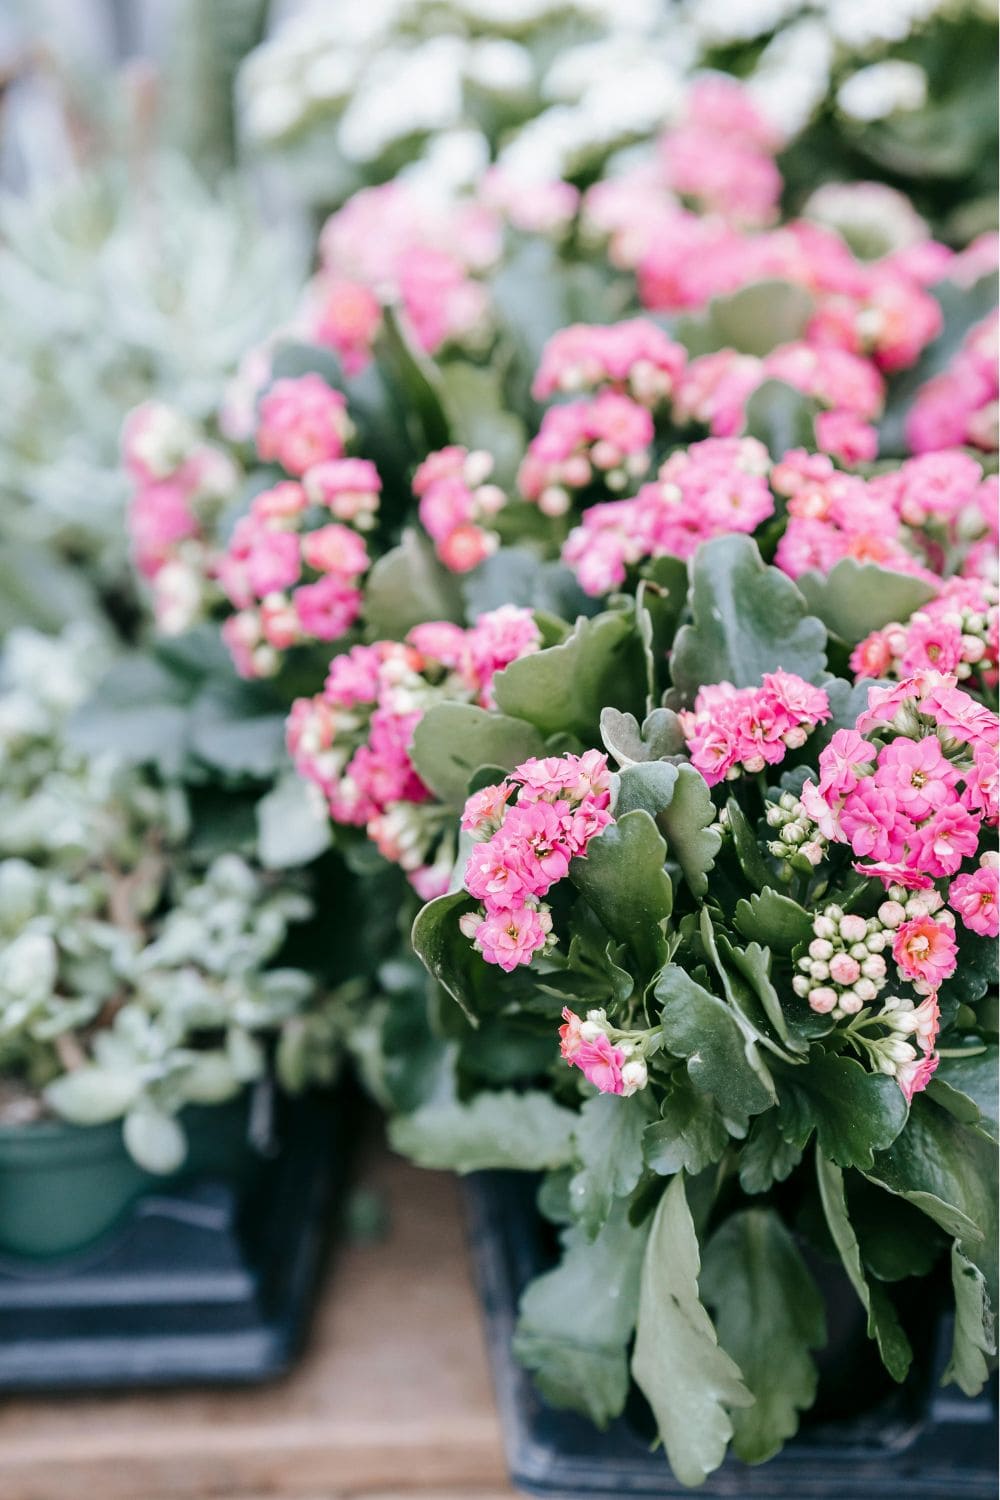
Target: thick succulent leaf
974 1340
767 1157
754 1279
526 1132
948 1170
679 800
576 1321
691 1133
453 740
515 575
753 320
748 619
774 920
92 1095
608 1138
972 1077
722 1059
660 736
854 1113
745 843
407 587
855 598
154 1138
883 1324
480 988
781 417
479 415
691 1383
623 880
562 690
293 825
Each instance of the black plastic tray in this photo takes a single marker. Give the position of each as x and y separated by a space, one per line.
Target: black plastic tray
195 1287
929 1443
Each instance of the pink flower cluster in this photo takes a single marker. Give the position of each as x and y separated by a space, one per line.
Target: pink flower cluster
912 786
561 804
290 572
302 421
716 388
735 730
960 406
635 357
389 246
613 1068
600 1062
352 740
180 486
722 155
975 896
455 499
932 509
709 489
955 632
604 440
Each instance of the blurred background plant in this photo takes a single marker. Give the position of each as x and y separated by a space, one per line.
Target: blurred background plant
337 98
130 265
136 976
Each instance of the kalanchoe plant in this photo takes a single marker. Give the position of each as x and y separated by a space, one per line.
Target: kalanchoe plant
133 979
732 952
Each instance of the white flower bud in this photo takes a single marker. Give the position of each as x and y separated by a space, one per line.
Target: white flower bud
823 927
821 948
634 1076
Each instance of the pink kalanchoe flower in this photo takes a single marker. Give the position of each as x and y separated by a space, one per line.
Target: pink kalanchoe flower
301 422
918 774
570 1039
976 898
950 835
510 937
601 1064
913 1077
925 950
871 823
345 316
348 487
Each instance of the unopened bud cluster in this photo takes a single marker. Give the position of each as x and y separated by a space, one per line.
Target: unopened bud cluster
798 839
843 969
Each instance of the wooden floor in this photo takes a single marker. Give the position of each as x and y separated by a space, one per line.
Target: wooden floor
392 1399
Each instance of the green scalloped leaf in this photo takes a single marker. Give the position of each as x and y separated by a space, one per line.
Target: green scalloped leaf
774 920
608 1146
691 1133
453 740
690 1382
722 1058
575 1322
660 736
623 880
679 800
974 1340
754 1278
855 598
883 1324
748 619
562 690
853 1113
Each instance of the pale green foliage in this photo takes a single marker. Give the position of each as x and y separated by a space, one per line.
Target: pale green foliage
132 982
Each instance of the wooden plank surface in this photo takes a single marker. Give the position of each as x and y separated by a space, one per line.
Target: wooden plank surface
392 1398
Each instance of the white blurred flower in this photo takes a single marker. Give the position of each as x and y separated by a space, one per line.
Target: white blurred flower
883 89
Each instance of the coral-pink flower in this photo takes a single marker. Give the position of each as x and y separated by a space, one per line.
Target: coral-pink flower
925 949
976 899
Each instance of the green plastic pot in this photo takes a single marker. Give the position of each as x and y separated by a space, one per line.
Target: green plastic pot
63 1186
